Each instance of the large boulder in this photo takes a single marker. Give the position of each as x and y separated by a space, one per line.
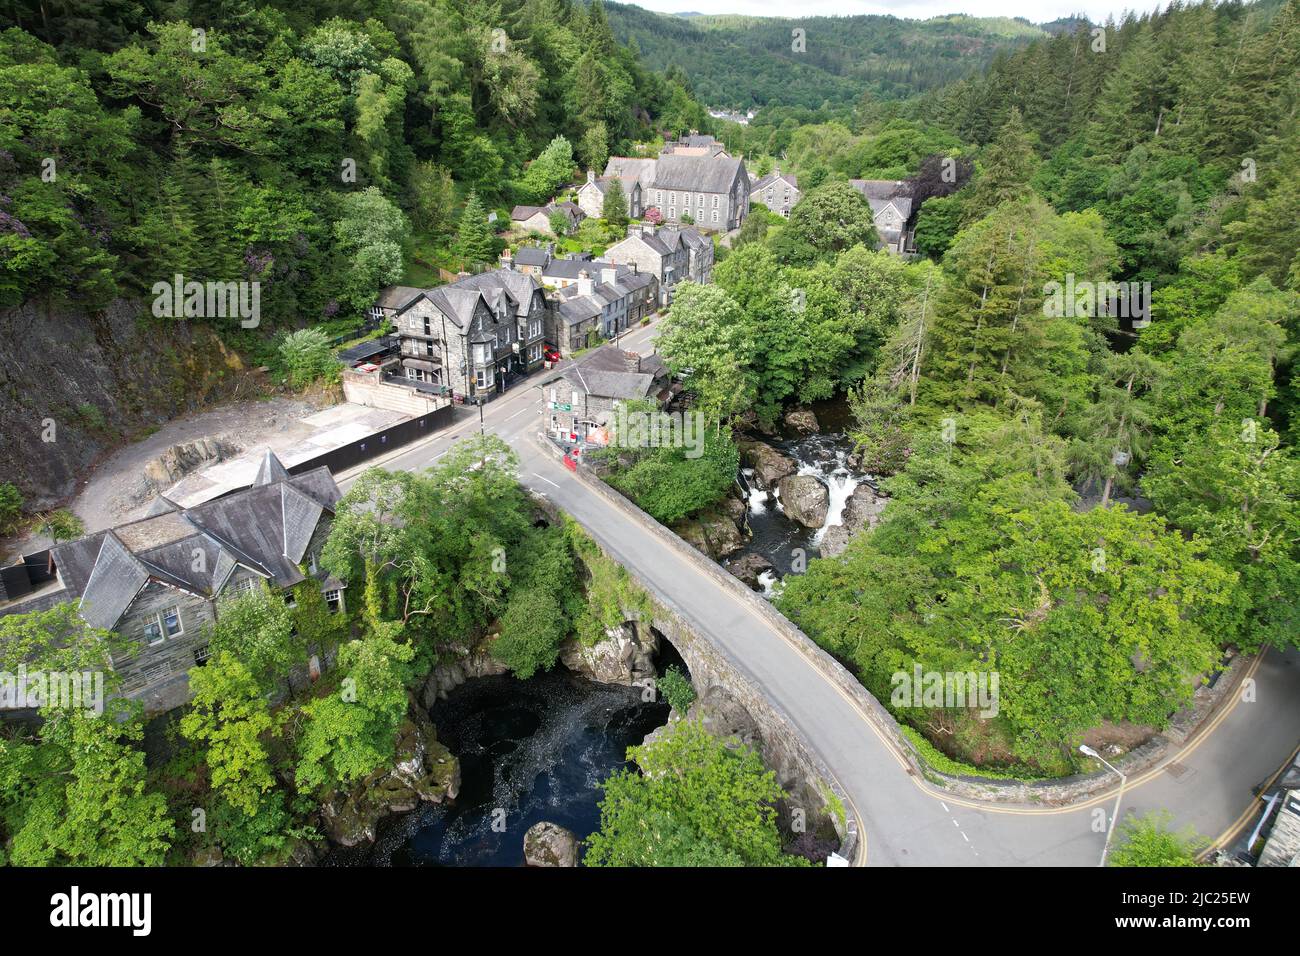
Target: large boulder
624 656
725 717
862 510
423 771
805 499
748 567
549 844
713 532
802 421
180 460
769 465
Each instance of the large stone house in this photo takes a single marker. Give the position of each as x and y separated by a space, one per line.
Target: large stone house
702 183
670 254
162 580
474 336
580 397
600 305
891 208
591 194
777 191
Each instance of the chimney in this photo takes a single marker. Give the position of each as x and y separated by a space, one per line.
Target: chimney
608 275
591 175
507 260
584 282
632 361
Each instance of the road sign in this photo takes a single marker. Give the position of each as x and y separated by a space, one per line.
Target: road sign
561 407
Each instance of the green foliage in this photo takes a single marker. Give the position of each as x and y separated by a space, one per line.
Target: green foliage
539 605
668 483
474 241
11 508
230 714
61 525
696 802
257 630
676 689
826 221
613 209
307 357
1149 841
90 806
353 731
611 597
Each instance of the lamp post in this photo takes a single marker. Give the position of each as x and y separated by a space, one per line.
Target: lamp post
1089 752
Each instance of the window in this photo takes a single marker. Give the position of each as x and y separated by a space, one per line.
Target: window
482 354
241 587
334 600
715 202
672 212
202 653
171 621
659 197
153 633
672 198
428 349
483 377
699 200
715 215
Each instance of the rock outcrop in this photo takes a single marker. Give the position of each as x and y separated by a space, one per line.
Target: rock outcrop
805 500
549 844
463 663
769 465
748 567
424 771
184 459
713 532
625 656
803 421
862 510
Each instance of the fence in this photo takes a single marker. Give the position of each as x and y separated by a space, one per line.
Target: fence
381 442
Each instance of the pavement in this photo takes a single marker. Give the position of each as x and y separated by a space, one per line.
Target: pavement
1210 783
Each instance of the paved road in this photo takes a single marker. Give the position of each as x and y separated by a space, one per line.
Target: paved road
1208 785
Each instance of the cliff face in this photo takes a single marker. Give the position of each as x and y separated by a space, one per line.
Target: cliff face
75 384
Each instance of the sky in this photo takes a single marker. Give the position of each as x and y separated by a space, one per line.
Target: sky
1038 11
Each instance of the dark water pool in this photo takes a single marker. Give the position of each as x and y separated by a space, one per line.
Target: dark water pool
530 750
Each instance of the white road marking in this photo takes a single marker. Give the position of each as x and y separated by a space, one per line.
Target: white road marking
547 480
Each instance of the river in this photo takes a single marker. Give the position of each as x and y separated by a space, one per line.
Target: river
530 750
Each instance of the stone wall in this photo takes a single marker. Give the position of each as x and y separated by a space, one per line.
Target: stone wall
362 388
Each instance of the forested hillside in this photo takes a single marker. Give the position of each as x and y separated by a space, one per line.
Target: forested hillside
301 144
319 148
1092 495
742 62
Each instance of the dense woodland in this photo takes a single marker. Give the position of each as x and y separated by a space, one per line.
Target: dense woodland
310 146
1007 430
739 62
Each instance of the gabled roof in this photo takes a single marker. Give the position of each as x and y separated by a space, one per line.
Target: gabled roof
610 372
697 174
532 256
396 296
266 527
520 213
774 177
629 168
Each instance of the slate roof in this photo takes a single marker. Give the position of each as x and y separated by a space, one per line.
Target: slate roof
604 373
575 308
532 256
396 296
697 174
266 527
776 176
628 168
520 213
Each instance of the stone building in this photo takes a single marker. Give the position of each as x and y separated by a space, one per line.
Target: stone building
670 254
777 191
891 208
591 194
474 336
580 397
161 581
600 305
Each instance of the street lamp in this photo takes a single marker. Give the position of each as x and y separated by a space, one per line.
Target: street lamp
1089 752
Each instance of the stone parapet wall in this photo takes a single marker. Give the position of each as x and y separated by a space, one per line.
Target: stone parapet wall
1056 792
